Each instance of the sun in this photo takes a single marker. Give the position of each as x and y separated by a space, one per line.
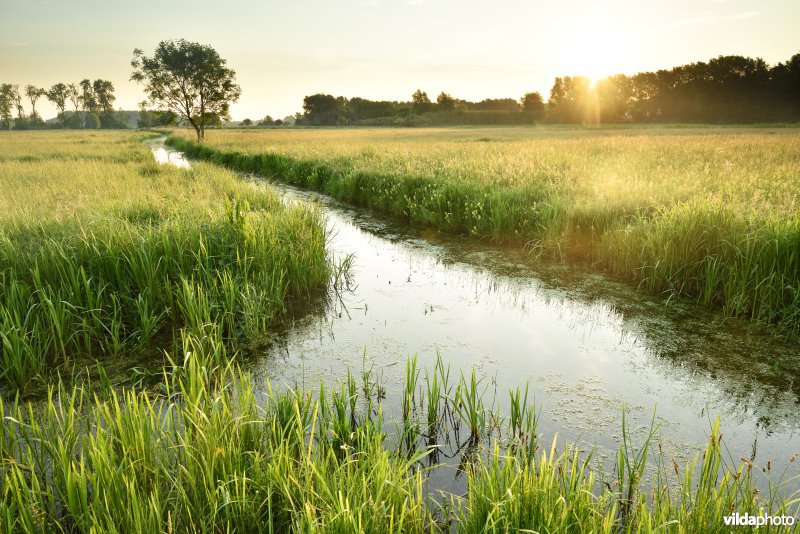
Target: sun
595 56
596 47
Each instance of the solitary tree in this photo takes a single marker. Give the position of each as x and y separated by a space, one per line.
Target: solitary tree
58 95
189 79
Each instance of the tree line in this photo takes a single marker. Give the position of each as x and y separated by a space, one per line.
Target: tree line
88 104
323 109
726 89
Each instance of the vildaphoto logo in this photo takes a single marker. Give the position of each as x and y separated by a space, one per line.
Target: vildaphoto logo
747 520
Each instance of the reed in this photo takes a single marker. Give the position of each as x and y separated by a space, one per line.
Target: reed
469 405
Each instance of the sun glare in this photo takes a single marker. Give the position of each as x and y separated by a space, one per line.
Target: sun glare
596 57
597 47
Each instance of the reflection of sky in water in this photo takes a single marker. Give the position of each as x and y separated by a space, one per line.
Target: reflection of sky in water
165 156
586 345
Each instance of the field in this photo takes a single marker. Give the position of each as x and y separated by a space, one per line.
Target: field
711 214
104 254
110 261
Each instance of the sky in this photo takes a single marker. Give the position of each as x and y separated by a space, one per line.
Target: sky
385 49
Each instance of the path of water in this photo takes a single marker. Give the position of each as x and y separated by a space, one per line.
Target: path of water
585 344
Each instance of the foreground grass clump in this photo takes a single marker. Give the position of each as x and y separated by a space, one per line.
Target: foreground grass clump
209 454
103 252
205 457
707 213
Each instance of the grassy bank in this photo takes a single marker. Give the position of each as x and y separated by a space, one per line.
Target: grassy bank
707 213
210 455
104 253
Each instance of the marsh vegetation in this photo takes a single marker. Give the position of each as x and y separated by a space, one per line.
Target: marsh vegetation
112 258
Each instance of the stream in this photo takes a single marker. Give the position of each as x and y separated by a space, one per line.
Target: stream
585 344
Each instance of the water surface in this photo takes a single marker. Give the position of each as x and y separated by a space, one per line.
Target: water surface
587 345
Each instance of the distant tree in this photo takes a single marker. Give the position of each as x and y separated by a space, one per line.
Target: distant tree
6 104
278 122
557 103
16 100
247 122
189 79
785 89
319 103
420 102
34 93
445 101
121 118
323 109
75 98
58 95
496 104
266 121
104 93
533 103
149 119
92 121
145 118
88 97
614 98
361 108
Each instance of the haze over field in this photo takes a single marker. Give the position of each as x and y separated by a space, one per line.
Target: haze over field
383 49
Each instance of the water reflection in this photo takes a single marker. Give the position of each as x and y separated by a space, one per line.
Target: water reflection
586 345
166 156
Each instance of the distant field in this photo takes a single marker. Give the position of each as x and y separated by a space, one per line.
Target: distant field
103 252
712 213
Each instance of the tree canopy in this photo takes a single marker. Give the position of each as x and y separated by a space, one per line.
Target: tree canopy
189 79
58 95
6 104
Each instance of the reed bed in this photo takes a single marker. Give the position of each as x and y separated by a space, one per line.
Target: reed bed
208 453
105 253
711 214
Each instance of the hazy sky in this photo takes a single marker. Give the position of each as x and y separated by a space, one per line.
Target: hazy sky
385 49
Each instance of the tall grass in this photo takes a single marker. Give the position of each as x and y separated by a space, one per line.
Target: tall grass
209 454
204 457
103 253
708 214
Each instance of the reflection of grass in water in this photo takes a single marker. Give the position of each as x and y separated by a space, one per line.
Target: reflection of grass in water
711 216
206 455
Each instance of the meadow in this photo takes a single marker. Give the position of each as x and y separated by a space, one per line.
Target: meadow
109 260
105 254
707 213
